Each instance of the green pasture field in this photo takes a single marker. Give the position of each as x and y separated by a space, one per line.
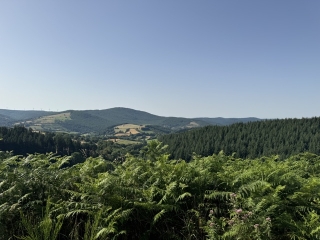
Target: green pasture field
53 118
124 141
124 127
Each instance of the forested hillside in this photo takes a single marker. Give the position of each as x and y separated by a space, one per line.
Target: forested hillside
20 115
100 121
23 141
284 137
83 122
152 197
5 120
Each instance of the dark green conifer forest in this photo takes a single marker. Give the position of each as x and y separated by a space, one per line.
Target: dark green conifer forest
283 137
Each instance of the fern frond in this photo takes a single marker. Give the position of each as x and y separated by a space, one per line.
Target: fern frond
183 196
247 189
217 195
158 216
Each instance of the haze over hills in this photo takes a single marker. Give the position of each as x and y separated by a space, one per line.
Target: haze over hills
99 121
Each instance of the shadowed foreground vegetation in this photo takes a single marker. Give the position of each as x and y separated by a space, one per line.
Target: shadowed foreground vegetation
152 197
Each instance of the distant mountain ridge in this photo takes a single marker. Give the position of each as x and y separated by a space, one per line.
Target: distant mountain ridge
99 121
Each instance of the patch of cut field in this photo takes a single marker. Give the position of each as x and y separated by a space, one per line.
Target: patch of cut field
133 131
121 134
127 129
37 128
192 125
129 125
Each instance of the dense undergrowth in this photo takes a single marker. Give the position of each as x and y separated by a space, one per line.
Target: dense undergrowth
152 197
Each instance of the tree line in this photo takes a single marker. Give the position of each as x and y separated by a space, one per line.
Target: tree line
284 137
22 141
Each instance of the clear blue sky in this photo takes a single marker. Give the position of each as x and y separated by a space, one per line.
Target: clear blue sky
183 58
